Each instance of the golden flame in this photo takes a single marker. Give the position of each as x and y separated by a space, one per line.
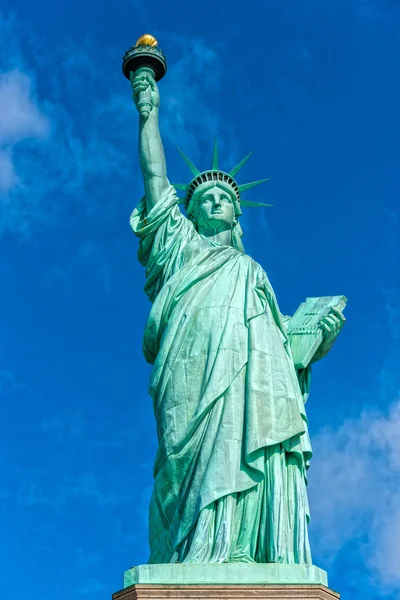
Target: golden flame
147 40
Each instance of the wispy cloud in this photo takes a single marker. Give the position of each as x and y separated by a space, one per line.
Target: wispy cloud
69 158
64 426
54 148
193 80
369 11
355 493
72 148
20 119
9 382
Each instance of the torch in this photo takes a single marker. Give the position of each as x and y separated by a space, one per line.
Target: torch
144 57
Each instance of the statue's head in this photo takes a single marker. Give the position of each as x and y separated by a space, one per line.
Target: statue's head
214 206
213 198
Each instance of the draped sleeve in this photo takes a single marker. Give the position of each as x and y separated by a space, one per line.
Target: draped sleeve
165 235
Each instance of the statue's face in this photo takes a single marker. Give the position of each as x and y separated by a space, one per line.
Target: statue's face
216 210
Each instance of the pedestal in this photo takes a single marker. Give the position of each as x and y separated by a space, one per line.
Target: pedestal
230 581
226 592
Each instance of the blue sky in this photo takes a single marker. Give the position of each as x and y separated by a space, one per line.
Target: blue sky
313 88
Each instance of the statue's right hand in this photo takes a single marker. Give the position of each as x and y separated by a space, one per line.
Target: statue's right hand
144 82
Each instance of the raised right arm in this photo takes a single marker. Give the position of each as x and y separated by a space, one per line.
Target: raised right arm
151 151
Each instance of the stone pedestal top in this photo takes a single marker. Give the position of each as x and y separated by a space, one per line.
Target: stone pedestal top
225 574
226 592
226 581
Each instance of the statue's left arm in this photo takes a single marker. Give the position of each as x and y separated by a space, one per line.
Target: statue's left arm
331 326
314 328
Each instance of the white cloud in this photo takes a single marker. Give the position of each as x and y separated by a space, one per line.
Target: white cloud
77 141
20 119
355 493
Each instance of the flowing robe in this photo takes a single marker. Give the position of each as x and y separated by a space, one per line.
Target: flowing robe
230 470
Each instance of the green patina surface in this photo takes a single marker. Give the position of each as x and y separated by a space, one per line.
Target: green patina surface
225 574
229 397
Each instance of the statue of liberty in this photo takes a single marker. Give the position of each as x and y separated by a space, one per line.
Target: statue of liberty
230 470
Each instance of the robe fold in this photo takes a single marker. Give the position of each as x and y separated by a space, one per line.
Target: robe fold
230 470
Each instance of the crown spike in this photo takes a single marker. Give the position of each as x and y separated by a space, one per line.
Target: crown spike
236 169
189 163
247 186
215 156
251 204
180 186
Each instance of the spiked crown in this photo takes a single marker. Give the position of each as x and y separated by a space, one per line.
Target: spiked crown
216 175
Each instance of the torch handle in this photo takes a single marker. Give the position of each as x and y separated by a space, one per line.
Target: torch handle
144 97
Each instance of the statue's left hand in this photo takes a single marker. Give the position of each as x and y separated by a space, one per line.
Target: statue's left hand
332 323
331 326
